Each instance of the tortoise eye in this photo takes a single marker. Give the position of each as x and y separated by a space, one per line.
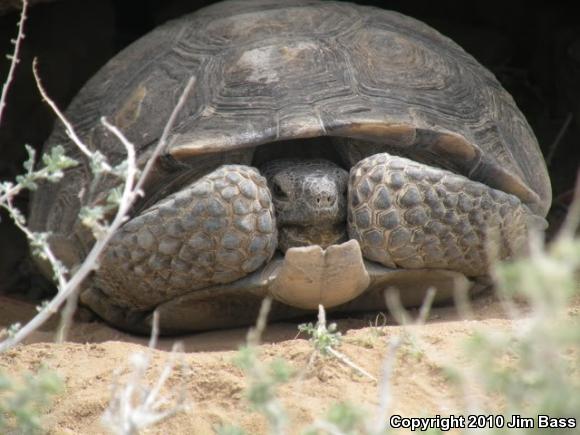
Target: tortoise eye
278 192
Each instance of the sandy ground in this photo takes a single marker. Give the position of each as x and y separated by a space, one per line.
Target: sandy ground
95 355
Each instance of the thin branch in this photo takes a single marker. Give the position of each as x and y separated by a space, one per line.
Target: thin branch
67 125
393 300
338 355
66 317
396 308
128 196
426 306
385 396
343 358
129 191
56 264
154 330
135 405
14 58
254 336
163 139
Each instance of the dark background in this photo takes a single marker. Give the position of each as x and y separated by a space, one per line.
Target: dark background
532 47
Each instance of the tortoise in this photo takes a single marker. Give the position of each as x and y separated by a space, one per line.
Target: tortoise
326 152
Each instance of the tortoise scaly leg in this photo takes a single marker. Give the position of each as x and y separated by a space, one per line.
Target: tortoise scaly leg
409 215
214 231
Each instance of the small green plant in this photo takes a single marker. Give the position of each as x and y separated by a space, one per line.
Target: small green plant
23 401
324 339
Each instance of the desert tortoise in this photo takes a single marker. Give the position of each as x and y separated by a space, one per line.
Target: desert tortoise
369 148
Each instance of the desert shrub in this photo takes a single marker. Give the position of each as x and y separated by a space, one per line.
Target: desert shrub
534 369
23 401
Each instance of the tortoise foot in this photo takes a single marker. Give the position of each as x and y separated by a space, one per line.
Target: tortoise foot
409 215
216 230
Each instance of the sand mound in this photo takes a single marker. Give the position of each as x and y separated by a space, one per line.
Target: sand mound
95 355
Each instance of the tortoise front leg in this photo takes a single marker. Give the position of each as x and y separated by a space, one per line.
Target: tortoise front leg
213 231
409 215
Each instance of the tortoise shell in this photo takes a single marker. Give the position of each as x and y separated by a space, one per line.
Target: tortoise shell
269 71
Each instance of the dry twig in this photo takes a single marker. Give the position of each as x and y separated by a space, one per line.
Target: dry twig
134 405
385 396
14 58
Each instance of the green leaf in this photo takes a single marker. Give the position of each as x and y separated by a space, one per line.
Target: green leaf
114 196
56 162
98 163
92 216
29 164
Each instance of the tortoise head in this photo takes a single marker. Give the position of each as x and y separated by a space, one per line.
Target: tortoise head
309 197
